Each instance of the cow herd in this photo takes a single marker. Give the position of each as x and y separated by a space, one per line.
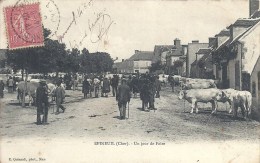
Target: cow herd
206 91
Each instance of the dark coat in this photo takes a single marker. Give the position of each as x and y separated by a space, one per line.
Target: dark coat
123 94
114 81
106 86
144 93
85 86
2 86
41 95
157 85
135 85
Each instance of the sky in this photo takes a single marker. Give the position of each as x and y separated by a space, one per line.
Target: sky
119 27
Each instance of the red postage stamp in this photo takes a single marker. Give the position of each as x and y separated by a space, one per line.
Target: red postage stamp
24 26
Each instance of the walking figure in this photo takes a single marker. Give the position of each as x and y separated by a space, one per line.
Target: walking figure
122 97
59 94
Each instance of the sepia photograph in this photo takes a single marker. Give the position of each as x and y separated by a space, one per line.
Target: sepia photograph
130 81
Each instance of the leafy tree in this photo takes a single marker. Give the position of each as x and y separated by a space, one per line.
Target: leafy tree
156 66
72 61
44 59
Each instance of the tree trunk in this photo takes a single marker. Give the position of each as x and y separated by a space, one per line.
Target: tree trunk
25 88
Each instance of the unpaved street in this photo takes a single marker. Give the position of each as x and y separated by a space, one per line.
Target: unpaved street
98 118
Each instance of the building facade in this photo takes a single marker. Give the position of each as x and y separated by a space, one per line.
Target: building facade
237 63
192 49
140 62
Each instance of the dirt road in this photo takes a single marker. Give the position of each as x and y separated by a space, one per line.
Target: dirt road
96 119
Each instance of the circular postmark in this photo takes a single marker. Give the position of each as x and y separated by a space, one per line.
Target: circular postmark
24 20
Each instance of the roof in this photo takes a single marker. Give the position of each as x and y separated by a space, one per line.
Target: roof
2 54
194 63
224 32
206 58
256 14
204 51
244 33
244 22
143 55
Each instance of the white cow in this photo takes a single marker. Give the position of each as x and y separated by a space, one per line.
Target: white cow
194 96
198 85
235 98
163 78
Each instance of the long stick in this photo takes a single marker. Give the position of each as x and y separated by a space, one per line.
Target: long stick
128 110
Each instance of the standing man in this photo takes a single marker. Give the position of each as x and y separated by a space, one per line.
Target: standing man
122 97
171 80
151 92
10 85
129 82
114 84
59 93
157 87
2 87
85 87
135 86
42 103
144 94
105 87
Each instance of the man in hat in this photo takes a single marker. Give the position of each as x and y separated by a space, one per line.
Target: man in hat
105 87
42 102
114 84
85 87
122 97
59 93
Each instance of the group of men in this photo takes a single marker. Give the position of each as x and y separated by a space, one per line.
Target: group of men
147 85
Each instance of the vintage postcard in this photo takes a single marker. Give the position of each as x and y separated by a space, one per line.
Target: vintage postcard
130 81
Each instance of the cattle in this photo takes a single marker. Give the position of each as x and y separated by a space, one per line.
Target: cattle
202 95
243 99
163 78
30 90
235 98
176 79
198 85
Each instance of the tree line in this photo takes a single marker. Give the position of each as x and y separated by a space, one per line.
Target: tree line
54 57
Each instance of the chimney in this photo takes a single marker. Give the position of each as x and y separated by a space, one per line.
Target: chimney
253 6
123 60
136 51
212 42
195 41
177 43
